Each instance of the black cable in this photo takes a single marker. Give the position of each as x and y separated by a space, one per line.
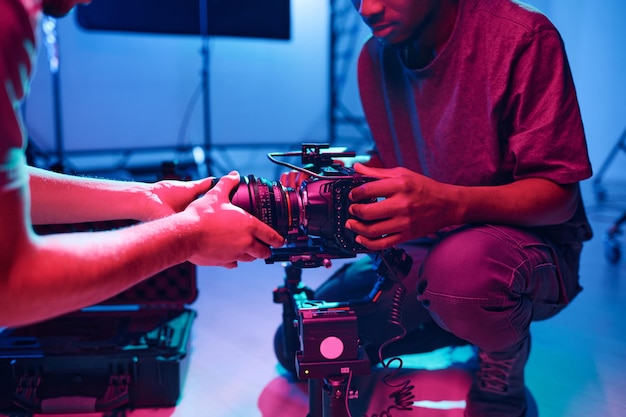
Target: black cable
346 394
403 395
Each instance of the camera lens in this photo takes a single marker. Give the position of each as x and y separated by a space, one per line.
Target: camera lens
270 202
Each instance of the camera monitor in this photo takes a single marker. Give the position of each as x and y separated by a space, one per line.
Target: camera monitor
269 19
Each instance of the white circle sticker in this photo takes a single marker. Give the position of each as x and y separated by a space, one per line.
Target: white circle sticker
331 347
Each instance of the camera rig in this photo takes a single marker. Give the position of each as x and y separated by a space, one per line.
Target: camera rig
323 336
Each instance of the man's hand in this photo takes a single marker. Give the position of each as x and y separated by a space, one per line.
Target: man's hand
412 206
170 196
228 234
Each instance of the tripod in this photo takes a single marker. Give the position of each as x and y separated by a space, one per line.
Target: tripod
324 344
323 336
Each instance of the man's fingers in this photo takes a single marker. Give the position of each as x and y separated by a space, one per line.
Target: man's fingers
371 172
384 242
374 231
248 258
293 179
258 251
227 183
269 236
373 211
373 189
203 185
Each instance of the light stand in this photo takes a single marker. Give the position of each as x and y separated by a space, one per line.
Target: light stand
51 40
345 27
206 98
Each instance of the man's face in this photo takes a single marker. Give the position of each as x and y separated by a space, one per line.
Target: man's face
59 8
394 21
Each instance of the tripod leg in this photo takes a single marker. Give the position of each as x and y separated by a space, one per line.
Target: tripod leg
315 398
336 396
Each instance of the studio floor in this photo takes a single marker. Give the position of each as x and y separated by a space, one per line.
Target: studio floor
577 366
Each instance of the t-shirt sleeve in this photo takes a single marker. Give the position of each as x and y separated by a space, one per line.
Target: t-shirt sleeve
547 138
16 54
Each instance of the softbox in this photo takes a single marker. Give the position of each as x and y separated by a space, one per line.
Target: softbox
269 19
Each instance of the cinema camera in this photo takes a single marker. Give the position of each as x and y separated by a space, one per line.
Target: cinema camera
311 218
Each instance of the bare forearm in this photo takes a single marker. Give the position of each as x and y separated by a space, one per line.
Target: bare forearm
44 276
527 203
57 198
62 273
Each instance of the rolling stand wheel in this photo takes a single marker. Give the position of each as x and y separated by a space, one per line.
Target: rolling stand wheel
612 248
600 194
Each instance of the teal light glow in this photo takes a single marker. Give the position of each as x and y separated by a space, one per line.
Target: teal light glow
440 359
440 405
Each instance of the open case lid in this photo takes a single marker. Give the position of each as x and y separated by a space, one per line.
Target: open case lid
173 287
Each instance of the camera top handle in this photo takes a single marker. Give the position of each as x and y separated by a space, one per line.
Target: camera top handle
312 156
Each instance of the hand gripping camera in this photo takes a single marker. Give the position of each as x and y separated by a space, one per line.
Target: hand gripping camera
311 218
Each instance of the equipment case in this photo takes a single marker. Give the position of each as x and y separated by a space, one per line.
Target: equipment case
129 352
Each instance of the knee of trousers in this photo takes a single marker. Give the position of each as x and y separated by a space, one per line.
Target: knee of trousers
472 284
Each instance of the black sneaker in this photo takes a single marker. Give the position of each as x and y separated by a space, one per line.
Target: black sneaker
498 389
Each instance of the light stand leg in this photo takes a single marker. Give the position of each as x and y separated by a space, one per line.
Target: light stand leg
206 95
51 38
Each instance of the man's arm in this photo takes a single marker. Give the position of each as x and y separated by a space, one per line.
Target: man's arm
93 199
44 276
415 206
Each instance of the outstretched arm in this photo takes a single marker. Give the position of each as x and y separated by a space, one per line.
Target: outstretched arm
44 276
58 198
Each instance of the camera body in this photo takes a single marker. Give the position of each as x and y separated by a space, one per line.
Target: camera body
311 218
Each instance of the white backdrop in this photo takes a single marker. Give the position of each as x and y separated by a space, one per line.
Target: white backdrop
121 90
